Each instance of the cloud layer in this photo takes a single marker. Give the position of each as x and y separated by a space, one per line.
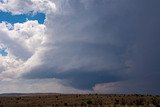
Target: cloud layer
100 45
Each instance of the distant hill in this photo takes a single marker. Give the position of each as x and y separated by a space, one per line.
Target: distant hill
26 94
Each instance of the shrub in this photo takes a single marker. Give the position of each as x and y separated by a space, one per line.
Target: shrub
83 104
139 102
123 102
89 102
116 101
155 102
65 104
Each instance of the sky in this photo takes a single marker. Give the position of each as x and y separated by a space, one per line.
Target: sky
80 46
12 19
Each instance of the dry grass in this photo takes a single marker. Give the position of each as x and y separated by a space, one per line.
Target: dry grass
79 100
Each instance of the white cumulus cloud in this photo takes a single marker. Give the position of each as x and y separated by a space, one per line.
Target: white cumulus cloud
25 6
23 43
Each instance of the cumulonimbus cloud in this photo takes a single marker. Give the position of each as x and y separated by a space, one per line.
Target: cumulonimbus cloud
101 44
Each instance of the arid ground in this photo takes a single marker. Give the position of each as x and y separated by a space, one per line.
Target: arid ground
79 100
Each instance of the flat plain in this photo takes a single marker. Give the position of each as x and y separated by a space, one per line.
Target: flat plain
79 100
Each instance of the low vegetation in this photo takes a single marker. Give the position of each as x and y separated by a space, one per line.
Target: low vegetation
80 100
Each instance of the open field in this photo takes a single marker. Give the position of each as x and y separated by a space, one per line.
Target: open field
78 100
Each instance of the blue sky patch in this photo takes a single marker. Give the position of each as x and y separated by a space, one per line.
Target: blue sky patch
8 17
3 52
2 1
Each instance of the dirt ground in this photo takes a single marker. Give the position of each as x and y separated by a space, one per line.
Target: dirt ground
79 100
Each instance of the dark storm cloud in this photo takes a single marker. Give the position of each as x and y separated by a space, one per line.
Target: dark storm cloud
80 78
110 38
